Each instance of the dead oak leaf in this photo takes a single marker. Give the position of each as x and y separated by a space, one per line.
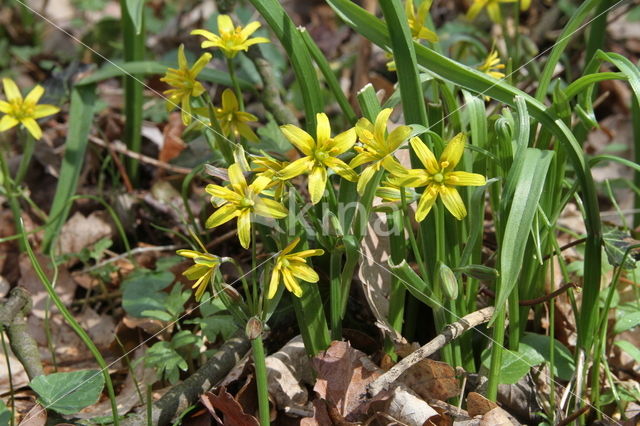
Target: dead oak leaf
232 411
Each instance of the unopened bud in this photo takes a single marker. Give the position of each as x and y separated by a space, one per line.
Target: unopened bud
479 272
449 282
253 328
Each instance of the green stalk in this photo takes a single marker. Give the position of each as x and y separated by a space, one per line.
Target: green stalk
133 51
597 30
10 189
398 291
496 354
220 141
234 82
335 266
104 368
27 153
261 380
635 111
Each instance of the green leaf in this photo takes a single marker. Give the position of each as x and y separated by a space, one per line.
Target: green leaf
416 285
616 244
156 314
68 393
166 360
563 360
631 349
627 321
5 414
142 292
183 338
515 365
83 99
135 10
521 197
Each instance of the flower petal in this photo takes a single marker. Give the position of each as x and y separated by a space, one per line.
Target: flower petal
244 229
393 166
199 65
360 159
426 202
11 91
343 141
291 283
464 179
222 215
225 24
182 59
7 122
290 247
32 126
44 111
298 167
453 151
493 9
273 283
304 272
425 155
5 107
250 29
306 253
364 178
270 208
299 138
229 101
252 41
475 9
222 192
206 34
317 183
341 168
453 202
396 137
34 95
236 177
381 124
323 129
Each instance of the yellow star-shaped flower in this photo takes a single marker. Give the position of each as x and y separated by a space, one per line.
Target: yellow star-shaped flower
184 84
291 267
23 111
205 266
242 201
419 30
377 148
439 177
493 9
233 120
271 168
231 39
320 153
491 65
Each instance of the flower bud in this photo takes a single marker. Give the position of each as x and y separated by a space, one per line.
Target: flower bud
253 328
448 281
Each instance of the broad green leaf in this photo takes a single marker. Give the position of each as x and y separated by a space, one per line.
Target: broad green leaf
529 177
515 365
563 360
83 99
631 349
166 360
142 292
5 414
616 244
68 393
626 322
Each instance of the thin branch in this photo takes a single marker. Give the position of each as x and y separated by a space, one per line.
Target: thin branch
537 300
450 332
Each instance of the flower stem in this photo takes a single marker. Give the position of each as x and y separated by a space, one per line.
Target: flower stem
336 295
223 144
261 380
27 153
234 81
10 190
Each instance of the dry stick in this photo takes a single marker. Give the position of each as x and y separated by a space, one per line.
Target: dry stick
564 247
574 415
185 394
537 300
450 332
24 347
119 147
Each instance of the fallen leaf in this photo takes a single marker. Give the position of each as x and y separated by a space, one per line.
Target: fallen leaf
65 286
342 378
37 416
232 412
478 405
173 144
496 417
406 407
432 380
82 231
285 370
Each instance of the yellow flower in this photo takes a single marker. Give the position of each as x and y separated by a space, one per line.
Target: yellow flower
390 193
291 267
377 148
439 177
491 65
416 22
524 4
493 9
233 120
205 266
241 200
271 168
320 154
231 39
184 84
23 111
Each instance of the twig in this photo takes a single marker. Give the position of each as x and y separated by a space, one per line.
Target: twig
574 415
119 147
564 247
270 95
537 300
450 332
180 397
12 317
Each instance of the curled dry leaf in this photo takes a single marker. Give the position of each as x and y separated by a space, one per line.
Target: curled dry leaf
478 405
496 417
432 380
342 378
408 408
82 231
37 416
232 411
285 370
